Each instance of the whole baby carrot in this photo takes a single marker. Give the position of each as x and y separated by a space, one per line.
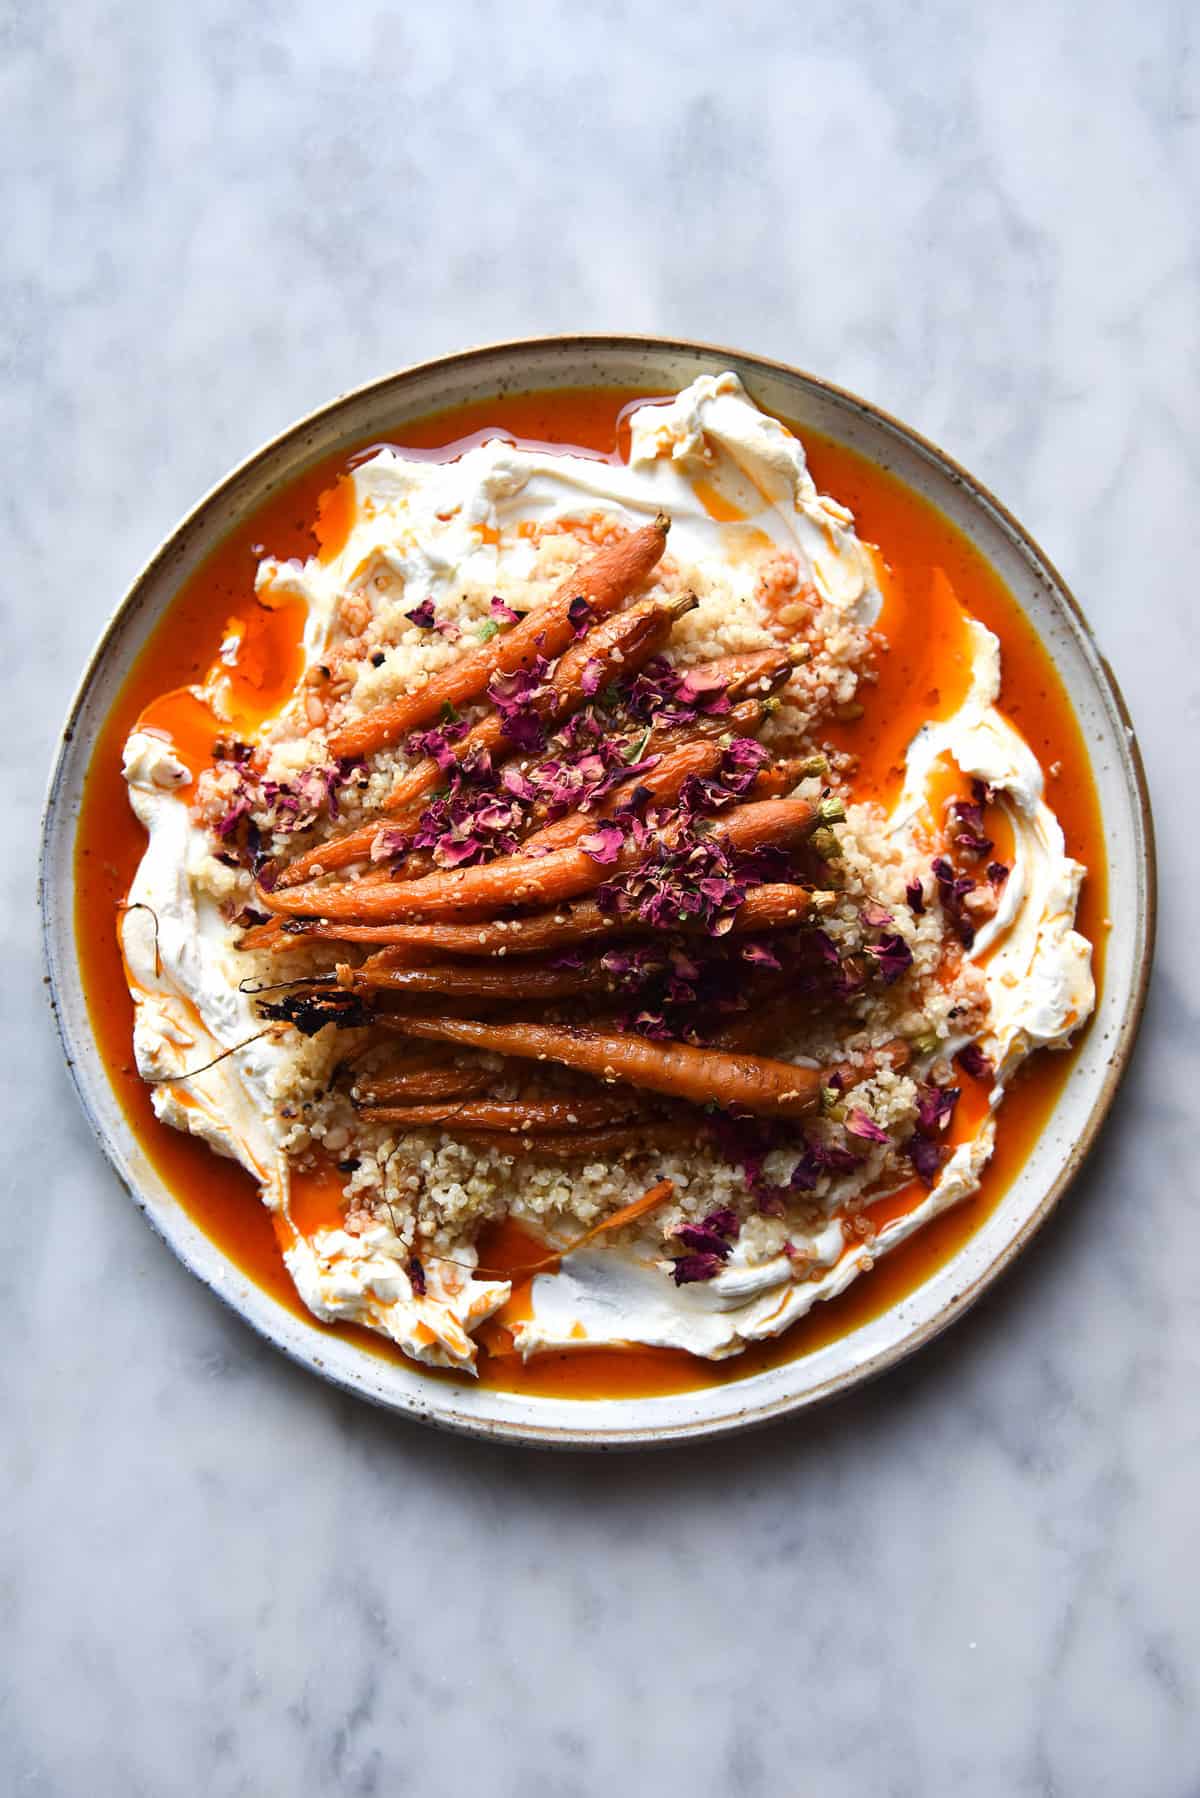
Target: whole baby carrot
745 1083
525 879
540 1117
774 907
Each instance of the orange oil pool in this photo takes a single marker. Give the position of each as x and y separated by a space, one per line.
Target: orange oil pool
926 562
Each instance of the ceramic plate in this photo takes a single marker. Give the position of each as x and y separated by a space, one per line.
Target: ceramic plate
661 366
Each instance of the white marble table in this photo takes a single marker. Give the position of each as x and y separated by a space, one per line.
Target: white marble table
978 1577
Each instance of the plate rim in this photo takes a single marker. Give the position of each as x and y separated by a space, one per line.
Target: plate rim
766 1410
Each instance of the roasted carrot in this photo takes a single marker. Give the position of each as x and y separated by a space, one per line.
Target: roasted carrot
776 907
526 879
422 1086
761 1024
537 1117
610 1142
754 673
605 581
615 645
477 981
749 1083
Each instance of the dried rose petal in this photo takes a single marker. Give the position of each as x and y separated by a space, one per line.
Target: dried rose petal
859 1124
935 1107
690 1268
760 956
893 957
423 616
580 616
952 890
974 1062
604 843
704 1240
926 1156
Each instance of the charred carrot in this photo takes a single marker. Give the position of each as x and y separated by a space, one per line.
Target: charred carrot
529 880
747 1083
608 1143
604 581
478 981
422 1086
537 1117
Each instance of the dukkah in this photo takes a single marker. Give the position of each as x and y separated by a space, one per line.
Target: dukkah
545 893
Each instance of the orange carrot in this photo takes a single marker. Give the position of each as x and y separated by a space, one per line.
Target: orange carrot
477 981
755 672
748 1083
775 907
605 581
422 1086
526 879
537 1117
609 1143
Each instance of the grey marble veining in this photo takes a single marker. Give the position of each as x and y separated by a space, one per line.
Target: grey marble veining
978 1576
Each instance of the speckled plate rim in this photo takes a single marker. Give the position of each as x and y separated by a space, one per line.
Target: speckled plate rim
521 365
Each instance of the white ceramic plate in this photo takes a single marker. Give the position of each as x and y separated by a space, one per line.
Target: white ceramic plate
661 366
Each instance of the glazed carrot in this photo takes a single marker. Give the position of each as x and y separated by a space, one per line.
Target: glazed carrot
605 1144
525 879
537 1117
752 1083
754 673
775 907
605 581
480 981
618 645
754 1028
422 1086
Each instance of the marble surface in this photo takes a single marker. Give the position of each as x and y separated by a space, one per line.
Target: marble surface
979 1576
